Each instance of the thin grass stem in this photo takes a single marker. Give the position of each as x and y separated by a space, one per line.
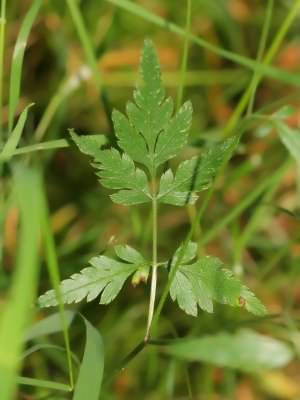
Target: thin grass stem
185 53
55 280
2 45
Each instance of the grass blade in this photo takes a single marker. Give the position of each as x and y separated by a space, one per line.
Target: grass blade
2 44
49 145
22 380
44 346
261 49
14 138
52 263
17 312
88 385
48 325
184 53
17 61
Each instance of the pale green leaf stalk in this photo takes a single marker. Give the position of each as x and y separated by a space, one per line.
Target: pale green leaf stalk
149 135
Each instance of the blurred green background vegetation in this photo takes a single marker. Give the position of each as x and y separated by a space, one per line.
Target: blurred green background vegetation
80 62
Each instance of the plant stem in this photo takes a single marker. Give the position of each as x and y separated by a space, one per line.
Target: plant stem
261 49
154 261
185 53
125 361
53 269
2 40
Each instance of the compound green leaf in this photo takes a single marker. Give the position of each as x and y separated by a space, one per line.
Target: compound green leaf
137 135
129 197
88 144
175 135
150 123
152 112
150 135
195 175
189 254
105 276
116 171
129 140
129 254
170 190
206 281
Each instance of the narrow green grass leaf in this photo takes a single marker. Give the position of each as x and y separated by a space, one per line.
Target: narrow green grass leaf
43 146
290 138
49 325
260 52
17 312
88 385
284 112
22 380
245 350
17 60
14 138
48 346
291 213
2 46
184 60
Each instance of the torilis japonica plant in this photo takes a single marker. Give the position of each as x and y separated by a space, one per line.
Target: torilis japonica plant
148 137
